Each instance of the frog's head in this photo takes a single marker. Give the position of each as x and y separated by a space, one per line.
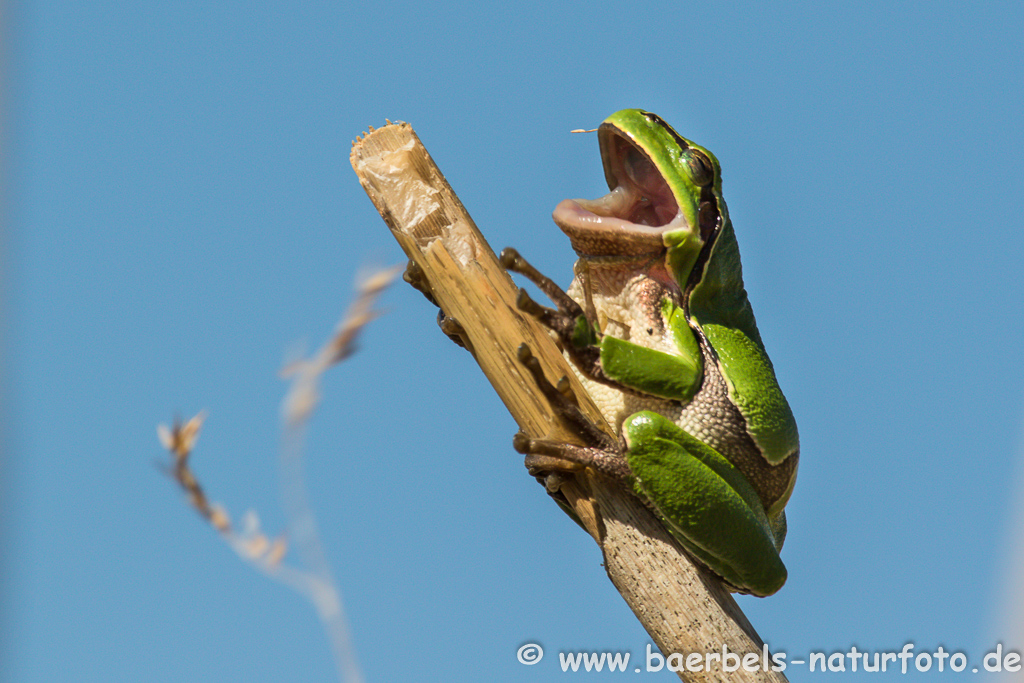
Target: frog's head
665 195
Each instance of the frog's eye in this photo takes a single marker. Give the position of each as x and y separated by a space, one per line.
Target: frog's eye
699 167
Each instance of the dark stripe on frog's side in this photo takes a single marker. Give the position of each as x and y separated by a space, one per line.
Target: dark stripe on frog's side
697 273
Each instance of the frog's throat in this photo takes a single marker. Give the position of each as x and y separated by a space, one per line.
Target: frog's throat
641 262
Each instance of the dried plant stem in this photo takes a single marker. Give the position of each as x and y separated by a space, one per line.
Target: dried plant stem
683 608
320 588
313 577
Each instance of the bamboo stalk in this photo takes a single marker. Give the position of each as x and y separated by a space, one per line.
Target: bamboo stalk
683 608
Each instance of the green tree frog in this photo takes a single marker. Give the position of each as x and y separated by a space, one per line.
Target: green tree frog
658 327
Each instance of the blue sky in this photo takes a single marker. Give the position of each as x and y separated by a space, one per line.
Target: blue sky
182 211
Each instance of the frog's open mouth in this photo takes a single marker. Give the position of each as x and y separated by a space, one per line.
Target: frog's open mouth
630 219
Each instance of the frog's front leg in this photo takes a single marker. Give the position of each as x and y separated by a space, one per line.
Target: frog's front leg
569 322
617 363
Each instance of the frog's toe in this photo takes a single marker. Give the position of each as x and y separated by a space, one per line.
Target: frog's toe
452 329
545 455
415 276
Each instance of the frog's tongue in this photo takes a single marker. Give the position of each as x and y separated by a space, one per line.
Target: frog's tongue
629 220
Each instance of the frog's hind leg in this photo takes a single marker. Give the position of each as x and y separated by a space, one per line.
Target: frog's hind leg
705 502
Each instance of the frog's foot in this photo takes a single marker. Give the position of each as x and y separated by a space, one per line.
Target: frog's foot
567 307
452 329
566 321
450 326
547 459
564 403
415 276
551 461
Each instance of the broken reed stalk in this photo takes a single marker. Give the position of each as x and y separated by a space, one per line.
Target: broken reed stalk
684 609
